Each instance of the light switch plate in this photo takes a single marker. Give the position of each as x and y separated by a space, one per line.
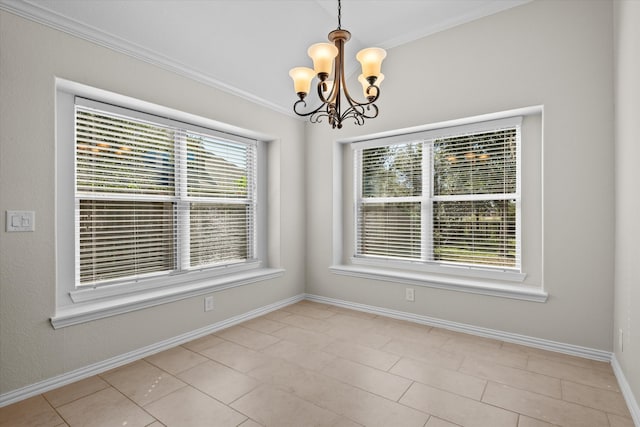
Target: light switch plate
21 221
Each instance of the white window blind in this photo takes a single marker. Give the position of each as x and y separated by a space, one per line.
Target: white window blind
449 196
154 197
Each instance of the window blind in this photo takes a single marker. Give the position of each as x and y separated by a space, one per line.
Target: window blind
155 198
475 197
447 197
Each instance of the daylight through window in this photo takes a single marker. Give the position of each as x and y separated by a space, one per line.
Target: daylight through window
157 198
448 197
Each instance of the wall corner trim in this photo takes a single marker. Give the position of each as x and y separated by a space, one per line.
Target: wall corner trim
625 388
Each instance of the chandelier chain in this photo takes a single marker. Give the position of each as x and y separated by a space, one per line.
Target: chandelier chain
339 15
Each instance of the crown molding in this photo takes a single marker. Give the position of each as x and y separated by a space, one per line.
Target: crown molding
37 13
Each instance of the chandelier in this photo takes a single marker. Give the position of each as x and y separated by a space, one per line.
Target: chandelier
332 89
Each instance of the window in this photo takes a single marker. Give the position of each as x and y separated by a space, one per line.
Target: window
156 199
448 197
153 205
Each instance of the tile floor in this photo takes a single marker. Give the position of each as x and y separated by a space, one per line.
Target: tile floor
311 364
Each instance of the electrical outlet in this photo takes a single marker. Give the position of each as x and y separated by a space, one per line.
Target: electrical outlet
409 294
208 303
621 340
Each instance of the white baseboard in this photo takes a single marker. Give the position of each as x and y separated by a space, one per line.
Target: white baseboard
574 350
632 403
132 356
105 365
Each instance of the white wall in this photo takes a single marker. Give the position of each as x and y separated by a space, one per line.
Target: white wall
31 56
627 131
552 53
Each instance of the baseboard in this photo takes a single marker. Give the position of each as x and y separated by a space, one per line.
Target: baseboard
625 388
105 365
574 350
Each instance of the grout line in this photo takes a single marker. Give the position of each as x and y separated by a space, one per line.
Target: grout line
405 392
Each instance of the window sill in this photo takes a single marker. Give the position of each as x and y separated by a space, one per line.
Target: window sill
513 291
93 310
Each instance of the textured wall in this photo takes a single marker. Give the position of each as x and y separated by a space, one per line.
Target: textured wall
31 56
627 128
552 53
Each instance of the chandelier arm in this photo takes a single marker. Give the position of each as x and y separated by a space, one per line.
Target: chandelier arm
332 95
304 104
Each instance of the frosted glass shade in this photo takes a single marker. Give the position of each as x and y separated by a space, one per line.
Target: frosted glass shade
302 77
365 85
371 60
322 55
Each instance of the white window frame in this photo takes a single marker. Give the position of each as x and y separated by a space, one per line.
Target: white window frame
427 198
77 304
509 283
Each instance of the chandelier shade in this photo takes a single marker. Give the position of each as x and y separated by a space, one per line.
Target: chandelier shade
328 67
302 77
371 61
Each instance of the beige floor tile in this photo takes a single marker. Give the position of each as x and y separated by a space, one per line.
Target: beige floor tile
597 398
515 377
203 343
107 407
76 390
272 407
369 379
345 320
34 411
314 304
309 323
286 375
277 315
356 335
176 360
143 382
618 421
250 423
577 374
218 381
437 422
345 422
264 325
190 407
482 351
409 331
304 337
424 352
525 421
444 379
304 356
543 407
235 356
559 357
457 409
339 368
357 405
309 311
349 312
247 337
358 353
468 338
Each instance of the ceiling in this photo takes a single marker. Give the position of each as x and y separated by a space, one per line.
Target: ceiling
248 46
